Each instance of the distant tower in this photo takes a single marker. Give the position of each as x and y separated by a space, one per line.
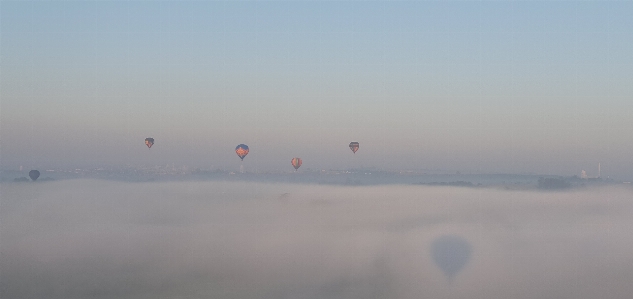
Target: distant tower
583 174
598 169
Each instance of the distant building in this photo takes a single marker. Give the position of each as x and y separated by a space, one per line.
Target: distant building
583 174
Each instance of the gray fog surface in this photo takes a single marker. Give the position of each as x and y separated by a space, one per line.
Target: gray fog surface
103 239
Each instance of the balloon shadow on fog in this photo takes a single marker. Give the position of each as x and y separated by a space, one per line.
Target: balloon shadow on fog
451 254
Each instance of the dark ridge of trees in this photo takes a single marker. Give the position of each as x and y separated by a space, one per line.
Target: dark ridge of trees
457 184
553 183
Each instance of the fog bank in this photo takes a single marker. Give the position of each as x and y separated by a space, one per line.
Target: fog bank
101 239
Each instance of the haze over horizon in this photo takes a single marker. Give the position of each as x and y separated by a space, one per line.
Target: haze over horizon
472 86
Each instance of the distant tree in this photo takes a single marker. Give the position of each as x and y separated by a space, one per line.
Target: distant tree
553 183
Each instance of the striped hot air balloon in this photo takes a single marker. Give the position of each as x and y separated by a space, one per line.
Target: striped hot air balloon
296 163
353 146
149 142
241 151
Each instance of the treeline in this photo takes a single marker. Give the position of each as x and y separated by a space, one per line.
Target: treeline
553 183
457 183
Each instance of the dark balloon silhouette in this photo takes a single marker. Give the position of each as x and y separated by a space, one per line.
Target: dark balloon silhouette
451 254
353 146
241 151
296 163
149 142
34 174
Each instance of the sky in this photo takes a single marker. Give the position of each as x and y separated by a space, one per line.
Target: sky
472 86
104 239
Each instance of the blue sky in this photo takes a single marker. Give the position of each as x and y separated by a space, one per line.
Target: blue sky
471 86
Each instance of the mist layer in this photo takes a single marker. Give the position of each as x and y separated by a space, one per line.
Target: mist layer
98 239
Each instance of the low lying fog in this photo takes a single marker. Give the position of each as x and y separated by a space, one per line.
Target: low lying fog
101 239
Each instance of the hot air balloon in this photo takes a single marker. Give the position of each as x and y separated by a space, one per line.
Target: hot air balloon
34 174
296 163
450 253
241 151
353 146
149 142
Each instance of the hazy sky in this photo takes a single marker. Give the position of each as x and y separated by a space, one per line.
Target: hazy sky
471 86
99 239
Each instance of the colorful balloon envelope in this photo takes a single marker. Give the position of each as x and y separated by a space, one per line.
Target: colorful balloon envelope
296 163
241 151
353 146
149 142
34 174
